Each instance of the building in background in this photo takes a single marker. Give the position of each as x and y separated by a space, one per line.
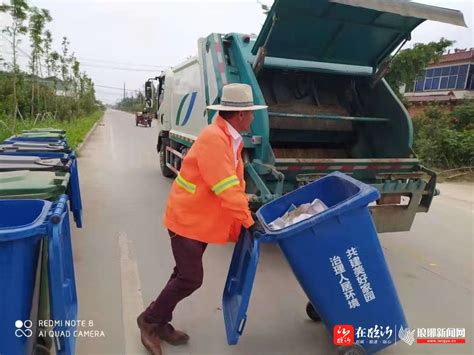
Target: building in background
446 82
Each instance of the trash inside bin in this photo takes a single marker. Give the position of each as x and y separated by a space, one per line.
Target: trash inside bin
21 233
299 213
336 257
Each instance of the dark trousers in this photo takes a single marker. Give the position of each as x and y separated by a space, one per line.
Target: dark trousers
186 278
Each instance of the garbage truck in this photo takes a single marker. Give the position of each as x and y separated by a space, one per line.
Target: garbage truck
319 65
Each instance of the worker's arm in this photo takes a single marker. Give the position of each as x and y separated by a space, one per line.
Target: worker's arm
218 170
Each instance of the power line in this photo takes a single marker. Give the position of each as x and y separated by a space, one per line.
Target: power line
119 68
112 87
122 63
25 54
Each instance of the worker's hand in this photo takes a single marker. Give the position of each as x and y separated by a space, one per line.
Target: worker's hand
256 228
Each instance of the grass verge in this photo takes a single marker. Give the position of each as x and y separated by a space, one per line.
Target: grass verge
76 128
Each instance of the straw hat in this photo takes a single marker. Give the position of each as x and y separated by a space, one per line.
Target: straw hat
236 97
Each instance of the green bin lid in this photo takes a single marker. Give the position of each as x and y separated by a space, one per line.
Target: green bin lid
24 184
42 135
49 130
33 147
18 162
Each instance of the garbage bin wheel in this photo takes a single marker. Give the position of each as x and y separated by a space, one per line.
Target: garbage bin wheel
44 341
41 350
355 349
167 172
311 312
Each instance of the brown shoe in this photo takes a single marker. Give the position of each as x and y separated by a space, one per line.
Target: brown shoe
140 319
150 339
166 332
171 335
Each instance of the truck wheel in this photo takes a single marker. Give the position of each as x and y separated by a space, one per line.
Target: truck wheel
167 172
355 349
41 350
311 312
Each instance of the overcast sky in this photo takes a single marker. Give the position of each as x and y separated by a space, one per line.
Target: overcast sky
146 36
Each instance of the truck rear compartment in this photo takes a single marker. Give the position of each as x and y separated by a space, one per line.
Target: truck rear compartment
316 115
320 123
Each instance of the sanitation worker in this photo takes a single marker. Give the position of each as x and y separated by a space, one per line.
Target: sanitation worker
207 204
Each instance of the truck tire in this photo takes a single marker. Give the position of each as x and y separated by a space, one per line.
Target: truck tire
167 172
355 349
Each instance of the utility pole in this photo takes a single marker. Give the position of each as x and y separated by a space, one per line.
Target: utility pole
124 90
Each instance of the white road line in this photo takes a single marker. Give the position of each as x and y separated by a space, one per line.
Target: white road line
112 144
132 299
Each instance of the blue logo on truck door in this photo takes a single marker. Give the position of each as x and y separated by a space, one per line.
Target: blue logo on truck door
192 100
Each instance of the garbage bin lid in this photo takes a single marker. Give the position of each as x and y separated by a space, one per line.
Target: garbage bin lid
62 290
23 184
48 129
56 141
53 135
19 162
238 286
33 146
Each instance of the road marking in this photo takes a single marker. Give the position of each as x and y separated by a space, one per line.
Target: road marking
132 299
112 144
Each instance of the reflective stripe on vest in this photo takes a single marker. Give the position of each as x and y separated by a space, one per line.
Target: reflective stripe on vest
225 184
189 187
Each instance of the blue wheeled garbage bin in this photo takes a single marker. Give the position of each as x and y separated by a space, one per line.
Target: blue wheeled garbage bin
337 259
21 233
62 282
15 139
69 160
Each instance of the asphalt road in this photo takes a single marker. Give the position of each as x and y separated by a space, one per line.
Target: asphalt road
123 259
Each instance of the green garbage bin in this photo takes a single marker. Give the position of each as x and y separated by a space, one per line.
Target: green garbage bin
18 162
44 185
52 135
24 184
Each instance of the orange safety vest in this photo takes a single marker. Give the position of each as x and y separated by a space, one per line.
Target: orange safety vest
207 201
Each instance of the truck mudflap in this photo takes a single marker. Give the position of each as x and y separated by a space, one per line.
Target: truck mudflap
405 186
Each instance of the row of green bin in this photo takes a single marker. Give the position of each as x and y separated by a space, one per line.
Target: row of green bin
37 165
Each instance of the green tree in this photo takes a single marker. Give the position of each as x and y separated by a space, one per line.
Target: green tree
18 11
37 22
54 62
64 59
445 140
410 63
